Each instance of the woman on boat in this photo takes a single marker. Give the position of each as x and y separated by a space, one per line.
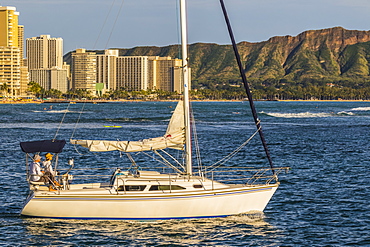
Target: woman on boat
47 164
49 172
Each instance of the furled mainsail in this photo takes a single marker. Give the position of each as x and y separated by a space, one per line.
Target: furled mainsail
174 138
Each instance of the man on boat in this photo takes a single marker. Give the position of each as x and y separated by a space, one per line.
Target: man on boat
35 170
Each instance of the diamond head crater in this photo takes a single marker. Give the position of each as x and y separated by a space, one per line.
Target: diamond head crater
326 64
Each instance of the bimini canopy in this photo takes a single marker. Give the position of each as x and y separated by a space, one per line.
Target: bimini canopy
50 146
174 138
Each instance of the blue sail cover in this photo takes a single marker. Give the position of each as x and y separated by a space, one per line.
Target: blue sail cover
50 146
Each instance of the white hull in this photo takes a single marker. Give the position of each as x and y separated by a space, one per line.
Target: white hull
103 204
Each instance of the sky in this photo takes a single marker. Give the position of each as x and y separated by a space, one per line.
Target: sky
103 24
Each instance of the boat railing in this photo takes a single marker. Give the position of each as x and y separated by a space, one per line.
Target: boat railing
246 175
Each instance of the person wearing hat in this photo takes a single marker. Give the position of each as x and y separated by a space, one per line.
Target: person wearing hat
37 175
47 164
49 172
35 169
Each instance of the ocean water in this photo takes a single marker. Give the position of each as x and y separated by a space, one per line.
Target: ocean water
322 201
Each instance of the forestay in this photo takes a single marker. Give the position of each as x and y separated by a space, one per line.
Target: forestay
174 138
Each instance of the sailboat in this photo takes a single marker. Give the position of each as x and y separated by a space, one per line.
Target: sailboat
134 194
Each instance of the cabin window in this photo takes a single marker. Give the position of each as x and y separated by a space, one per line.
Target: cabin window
131 188
166 187
197 186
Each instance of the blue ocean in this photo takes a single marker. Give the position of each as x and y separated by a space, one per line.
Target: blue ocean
321 201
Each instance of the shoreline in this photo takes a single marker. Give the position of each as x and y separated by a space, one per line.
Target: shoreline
123 101
319 100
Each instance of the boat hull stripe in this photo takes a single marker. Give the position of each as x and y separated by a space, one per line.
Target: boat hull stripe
128 197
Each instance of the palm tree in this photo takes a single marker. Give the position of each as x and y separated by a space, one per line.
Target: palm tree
35 88
4 88
53 93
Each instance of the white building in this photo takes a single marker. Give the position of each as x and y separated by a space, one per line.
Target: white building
53 78
106 69
44 52
99 73
45 62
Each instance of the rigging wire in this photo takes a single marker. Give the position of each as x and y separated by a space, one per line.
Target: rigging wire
75 127
232 154
166 161
169 155
115 21
61 122
196 144
106 18
78 120
246 86
160 161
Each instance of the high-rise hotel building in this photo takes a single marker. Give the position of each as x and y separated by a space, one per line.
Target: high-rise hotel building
99 73
106 71
83 70
165 73
132 73
44 52
9 27
45 62
12 72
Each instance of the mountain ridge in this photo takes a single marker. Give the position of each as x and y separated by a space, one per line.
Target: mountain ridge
331 54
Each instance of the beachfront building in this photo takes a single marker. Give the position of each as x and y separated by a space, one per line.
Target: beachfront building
45 62
9 27
21 44
23 90
135 73
44 52
164 73
83 70
54 78
24 80
106 71
12 72
132 73
100 73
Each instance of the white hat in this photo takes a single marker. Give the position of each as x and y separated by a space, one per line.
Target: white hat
37 157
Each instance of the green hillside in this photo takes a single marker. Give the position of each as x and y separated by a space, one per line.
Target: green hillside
333 56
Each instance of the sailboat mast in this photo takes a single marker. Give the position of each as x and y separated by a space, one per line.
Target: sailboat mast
246 85
185 74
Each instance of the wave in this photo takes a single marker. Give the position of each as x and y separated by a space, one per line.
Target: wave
361 109
346 113
153 119
308 114
56 111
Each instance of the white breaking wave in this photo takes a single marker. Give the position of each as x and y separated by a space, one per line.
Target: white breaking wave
307 114
346 113
361 109
57 111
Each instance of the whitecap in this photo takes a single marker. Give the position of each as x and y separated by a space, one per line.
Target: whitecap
300 115
361 109
56 111
347 113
